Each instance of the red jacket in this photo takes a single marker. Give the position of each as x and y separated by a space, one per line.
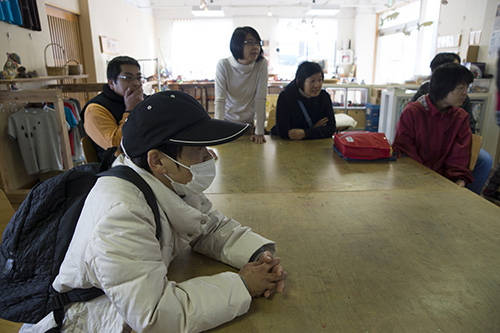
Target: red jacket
440 141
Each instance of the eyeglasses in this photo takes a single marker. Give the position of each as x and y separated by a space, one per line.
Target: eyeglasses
253 42
129 78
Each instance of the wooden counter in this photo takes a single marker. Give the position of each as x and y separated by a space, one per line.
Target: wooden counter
369 247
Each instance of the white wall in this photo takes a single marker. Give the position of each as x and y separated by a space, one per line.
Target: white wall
134 29
365 26
28 44
69 5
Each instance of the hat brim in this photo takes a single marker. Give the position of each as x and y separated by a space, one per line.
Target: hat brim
209 132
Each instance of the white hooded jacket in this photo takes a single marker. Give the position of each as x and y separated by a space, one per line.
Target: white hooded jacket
114 248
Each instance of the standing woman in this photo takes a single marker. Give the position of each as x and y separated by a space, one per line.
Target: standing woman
304 110
241 82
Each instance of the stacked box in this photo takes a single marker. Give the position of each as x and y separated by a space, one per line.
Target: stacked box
375 95
372 117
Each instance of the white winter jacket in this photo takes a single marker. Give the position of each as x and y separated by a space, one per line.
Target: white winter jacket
114 248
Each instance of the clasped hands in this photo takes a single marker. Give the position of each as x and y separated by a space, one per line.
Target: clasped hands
299 133
264 276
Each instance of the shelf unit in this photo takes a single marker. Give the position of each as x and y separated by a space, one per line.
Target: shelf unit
392 104
479 104
9 82
14 180
351 100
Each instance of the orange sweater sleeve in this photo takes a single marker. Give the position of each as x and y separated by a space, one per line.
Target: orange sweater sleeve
101 126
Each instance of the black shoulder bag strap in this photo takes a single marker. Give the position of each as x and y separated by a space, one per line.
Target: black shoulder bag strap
306 115
84 295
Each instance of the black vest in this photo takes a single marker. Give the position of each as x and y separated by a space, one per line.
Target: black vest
113 102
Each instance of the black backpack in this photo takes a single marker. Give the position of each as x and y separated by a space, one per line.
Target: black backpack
37 237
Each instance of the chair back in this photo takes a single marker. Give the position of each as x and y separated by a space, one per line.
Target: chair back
89 150
477 141
6 211
271 102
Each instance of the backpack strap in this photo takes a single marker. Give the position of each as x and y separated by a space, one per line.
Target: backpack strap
306 115
127 173
83 295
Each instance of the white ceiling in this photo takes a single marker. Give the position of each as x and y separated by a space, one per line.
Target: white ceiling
280 8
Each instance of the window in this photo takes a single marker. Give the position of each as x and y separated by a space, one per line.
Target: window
305 39
401 39
200 45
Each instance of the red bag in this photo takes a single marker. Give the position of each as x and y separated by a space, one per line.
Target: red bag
362 146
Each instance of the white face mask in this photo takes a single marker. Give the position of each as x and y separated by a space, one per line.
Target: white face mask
203 175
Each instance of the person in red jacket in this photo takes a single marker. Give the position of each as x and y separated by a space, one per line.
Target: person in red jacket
435 131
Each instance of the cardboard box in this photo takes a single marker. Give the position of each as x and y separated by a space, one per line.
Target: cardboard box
375 95
472 52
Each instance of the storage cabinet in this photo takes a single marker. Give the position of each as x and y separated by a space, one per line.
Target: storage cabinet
351 100
392 104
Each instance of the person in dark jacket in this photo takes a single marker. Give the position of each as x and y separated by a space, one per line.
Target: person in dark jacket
104 115
304 110
440 59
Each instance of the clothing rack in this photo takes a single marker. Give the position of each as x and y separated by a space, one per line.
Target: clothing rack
14 180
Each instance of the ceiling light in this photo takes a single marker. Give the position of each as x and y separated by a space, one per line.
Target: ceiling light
269 12
209 11
319 10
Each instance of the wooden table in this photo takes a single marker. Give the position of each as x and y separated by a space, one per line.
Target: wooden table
369 247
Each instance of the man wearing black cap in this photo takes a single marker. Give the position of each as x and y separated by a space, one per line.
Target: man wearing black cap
114 246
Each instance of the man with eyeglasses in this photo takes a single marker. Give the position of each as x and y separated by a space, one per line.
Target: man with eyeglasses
105 114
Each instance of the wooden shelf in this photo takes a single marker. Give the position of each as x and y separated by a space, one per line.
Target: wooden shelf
44 78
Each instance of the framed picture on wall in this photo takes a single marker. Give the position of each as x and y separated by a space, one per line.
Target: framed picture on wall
109 45
346 57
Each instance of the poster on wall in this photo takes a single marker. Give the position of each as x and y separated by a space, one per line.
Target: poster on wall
495 35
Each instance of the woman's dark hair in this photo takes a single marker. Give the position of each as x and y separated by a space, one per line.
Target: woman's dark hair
115 66
237 43
173 151
446 78
443 58
305 70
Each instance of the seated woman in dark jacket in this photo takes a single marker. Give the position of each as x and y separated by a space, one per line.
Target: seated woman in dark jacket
304 110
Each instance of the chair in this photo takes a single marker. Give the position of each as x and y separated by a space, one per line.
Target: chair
477 141
6 211
271 90
89 150
271 102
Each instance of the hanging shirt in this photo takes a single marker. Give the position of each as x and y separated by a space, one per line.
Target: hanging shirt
38 140
11 12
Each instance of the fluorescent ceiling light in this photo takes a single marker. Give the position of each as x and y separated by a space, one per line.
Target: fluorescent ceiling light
318 10
209 11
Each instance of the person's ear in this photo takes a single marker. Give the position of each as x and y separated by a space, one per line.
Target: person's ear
155 161
111 84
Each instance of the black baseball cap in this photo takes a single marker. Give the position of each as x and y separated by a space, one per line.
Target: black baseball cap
176 118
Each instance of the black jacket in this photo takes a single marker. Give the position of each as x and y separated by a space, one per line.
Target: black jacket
289 114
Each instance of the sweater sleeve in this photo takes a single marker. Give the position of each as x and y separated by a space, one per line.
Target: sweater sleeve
101 126
456 164
327 131
260 97
405 137
220 90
